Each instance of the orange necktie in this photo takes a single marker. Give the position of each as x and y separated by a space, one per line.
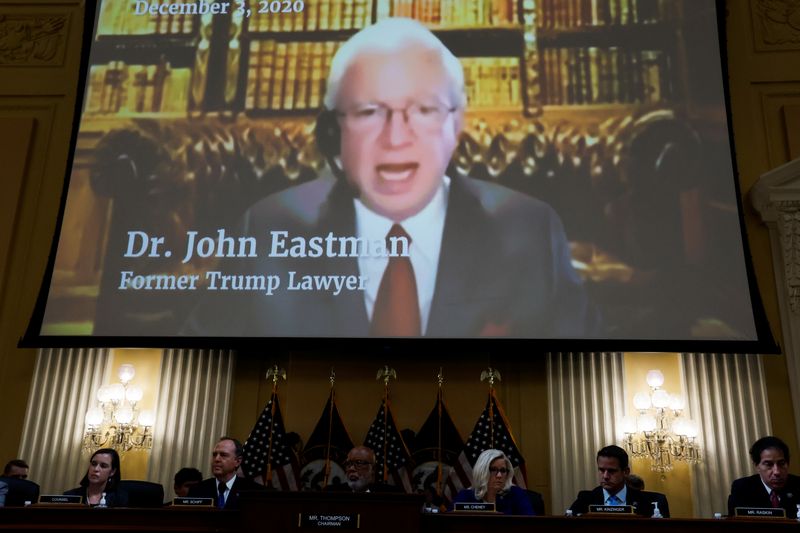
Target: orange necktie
396 312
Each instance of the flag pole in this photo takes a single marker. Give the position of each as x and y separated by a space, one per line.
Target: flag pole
491 374
331 399
386 373
273 373
440 379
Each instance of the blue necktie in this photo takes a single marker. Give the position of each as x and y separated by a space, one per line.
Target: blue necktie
613 500
221 498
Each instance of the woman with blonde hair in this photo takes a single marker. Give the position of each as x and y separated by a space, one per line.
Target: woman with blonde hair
491 477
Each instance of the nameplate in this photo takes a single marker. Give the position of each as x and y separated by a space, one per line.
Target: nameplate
477 507
193 502
332 520
60 499
760 512
611 509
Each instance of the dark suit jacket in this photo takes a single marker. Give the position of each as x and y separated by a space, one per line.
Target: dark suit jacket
374 487
750 492
504 270
114 498
208 489
20 491
640 499
537 502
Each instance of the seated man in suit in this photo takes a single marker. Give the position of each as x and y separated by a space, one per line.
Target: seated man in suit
359 468
225 486
772 485
465 257
17 469
612 470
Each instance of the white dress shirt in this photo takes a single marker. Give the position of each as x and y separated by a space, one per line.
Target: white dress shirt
425 229
622 495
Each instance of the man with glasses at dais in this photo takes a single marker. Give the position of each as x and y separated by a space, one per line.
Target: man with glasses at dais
359 469
416 252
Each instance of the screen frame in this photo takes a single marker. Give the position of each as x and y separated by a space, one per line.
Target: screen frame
764 344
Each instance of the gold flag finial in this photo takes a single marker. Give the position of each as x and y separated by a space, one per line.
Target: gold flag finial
275 373
386 374
332 376
440 377
491 374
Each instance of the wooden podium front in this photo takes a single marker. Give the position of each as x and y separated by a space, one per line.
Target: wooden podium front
307 511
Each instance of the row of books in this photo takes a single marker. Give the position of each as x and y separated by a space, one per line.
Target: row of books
492 82
354 14
289 76
604 75
285 76
561 14
315 15
119 17
119 88
452 12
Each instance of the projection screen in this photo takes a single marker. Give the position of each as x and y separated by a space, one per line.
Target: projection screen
561 171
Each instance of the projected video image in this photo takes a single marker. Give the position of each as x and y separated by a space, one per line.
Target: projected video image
403 168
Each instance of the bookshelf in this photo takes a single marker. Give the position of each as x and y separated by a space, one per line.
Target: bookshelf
143 64
284 62
595 52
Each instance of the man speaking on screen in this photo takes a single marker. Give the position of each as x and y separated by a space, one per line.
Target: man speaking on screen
391 246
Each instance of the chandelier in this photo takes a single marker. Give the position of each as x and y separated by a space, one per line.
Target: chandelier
660 432
116 422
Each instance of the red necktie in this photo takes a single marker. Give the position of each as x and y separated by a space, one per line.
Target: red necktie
773 498
396 312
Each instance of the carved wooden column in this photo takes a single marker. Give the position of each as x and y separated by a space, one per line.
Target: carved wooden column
776 197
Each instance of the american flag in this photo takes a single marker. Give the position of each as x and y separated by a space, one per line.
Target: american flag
492 431
327 446
438 444
393 460
268 438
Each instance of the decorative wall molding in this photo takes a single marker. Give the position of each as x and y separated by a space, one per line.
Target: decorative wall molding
791 118
776 24
788 226
32 40
776 197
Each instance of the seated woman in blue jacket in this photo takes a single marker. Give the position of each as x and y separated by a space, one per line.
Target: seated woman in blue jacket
491 478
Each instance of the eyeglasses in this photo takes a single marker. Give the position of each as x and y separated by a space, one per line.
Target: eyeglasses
357 463
373 117
502 470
